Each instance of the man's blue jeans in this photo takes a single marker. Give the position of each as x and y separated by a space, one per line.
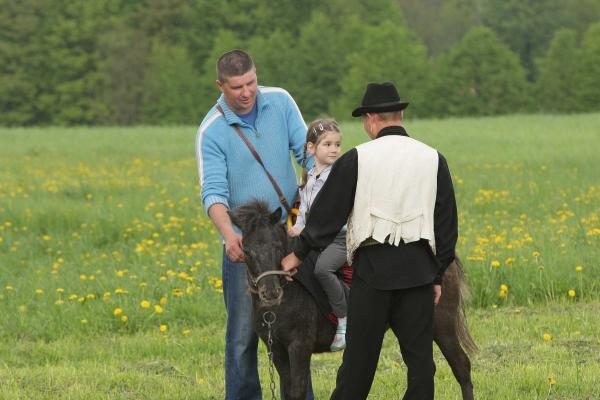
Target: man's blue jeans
241 342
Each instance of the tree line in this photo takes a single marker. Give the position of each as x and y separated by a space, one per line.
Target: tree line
124 62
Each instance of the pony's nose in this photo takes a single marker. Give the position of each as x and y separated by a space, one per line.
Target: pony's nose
271 294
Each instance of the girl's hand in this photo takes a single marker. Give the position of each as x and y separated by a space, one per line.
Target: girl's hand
293 231
290 263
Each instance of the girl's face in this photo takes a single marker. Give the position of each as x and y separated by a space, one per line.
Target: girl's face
328 148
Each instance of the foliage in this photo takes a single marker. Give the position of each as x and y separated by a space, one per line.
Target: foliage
96 63
479 76
559 77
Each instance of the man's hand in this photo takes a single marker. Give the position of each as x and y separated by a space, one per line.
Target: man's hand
233 248
437 293
290 264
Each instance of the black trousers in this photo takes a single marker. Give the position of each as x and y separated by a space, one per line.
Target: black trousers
409 313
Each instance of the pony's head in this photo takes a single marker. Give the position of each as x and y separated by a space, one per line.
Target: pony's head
265 244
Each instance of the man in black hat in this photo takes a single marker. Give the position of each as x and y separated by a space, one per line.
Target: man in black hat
396 195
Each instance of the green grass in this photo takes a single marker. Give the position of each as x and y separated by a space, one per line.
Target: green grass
514 362
96 221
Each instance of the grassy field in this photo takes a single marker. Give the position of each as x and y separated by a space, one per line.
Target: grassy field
110 277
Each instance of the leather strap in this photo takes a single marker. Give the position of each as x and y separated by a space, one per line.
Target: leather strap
237 129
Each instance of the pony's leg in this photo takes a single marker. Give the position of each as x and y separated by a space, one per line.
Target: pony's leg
282 364
446 337
299 354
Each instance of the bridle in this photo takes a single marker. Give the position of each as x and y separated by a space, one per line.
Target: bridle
253 282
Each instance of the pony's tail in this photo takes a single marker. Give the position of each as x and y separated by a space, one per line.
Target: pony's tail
462 330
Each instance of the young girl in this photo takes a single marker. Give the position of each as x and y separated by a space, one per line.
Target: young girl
323 141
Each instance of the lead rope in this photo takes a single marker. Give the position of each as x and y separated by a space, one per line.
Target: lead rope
269 318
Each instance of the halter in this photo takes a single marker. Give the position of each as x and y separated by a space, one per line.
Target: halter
253 282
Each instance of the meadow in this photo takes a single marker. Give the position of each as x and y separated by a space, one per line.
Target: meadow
110 270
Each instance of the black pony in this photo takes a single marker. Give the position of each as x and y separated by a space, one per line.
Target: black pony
288 319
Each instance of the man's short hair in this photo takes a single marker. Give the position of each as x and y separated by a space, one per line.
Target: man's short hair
390 115
233 63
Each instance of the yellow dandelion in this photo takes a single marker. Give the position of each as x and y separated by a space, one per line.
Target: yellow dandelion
145 304
60 290
39 291
124 318
83 277
163 328
536 254
158 309
163 300
46 237
84 321
509 261
495 264
59 302
117 312
502 294
504 287
551 381
186 332
578 268
9 287
547 337
571 293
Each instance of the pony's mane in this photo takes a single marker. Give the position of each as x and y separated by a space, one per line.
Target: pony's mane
252 215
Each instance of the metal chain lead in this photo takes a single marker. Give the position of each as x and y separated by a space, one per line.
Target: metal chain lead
269 318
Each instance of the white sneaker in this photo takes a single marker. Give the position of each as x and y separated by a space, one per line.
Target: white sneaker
339 340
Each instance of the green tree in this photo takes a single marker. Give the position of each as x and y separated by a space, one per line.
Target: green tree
557 85
589 89
387 52
123 61
453 19
170 94
479 76
527 26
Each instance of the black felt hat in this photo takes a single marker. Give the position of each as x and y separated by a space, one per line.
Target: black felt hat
378 98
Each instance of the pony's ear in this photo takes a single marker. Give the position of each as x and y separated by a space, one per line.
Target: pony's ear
276 216
234 218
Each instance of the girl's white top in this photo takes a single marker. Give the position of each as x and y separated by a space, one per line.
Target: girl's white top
308 194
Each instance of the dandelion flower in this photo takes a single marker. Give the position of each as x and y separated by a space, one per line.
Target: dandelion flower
84 321
117 312
158 309
145 304
504 287
551 381
39 291
163 328
571 293
547 337
495 264
124 318
578 268
186 332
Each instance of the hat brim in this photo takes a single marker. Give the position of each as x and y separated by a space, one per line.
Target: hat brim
380 108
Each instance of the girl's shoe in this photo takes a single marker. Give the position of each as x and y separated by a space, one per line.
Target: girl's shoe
339 340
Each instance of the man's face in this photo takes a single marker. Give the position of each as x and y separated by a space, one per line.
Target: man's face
240 91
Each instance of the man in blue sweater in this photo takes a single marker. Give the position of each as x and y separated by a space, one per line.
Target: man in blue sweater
231 176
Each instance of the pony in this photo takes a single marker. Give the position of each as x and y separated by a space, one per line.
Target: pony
289 321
